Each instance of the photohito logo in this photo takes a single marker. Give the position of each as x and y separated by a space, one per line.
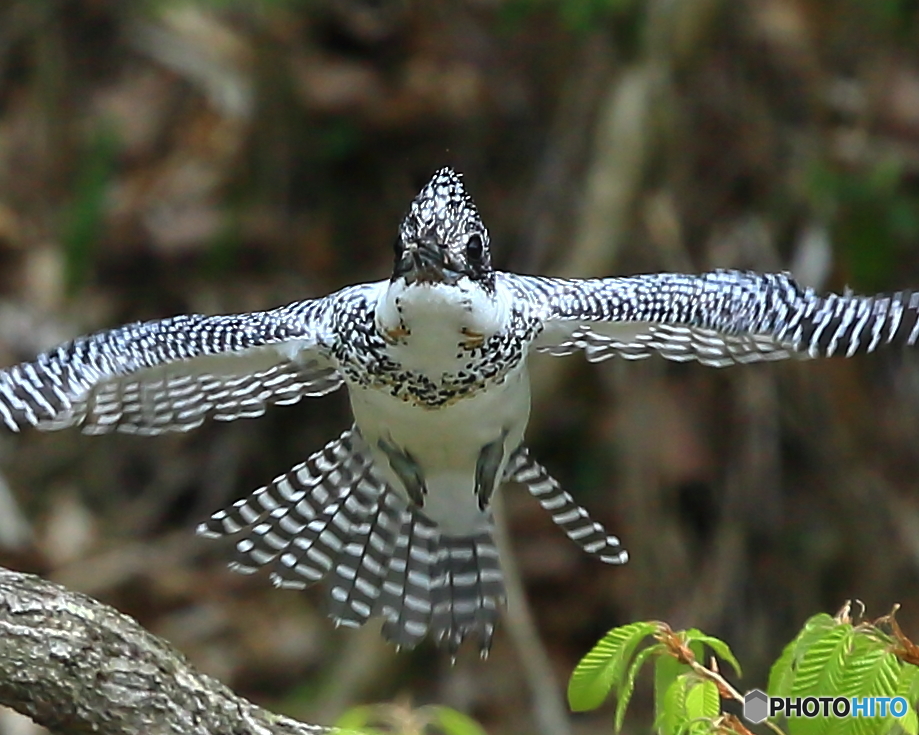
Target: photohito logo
758 705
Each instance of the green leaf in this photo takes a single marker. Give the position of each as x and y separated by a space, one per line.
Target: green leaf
821 665
666 670
605 665
782 673
698 650
909 722
355 717
356 720
870 672
721 649
846 662
818 673
673 717
803 726
703 700
812 631
908 683
625 695
874 673
453 722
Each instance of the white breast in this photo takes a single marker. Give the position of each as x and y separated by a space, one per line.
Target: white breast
427 324
437 317
446 442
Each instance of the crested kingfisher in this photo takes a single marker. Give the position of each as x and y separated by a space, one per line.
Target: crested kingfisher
395 514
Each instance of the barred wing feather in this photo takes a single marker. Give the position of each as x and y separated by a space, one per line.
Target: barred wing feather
716 318
172 374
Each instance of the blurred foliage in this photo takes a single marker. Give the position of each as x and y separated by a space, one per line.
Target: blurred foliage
579 16
875 216
84 219
396 719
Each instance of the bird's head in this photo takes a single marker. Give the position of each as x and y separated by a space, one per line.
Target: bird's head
442 238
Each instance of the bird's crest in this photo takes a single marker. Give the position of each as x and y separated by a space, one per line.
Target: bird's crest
442 237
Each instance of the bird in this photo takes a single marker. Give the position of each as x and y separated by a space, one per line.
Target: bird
395 514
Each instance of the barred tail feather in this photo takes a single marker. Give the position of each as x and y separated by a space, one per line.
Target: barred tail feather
405 602
356 582
332 517
302 493
574 520
321 546
447 586
469 590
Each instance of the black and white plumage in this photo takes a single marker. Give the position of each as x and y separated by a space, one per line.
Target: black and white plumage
395 513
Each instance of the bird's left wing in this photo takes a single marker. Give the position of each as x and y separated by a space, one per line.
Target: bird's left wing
717 318
172 374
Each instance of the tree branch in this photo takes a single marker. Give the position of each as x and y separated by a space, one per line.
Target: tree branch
75 665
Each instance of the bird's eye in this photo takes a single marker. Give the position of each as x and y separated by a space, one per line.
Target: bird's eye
474 247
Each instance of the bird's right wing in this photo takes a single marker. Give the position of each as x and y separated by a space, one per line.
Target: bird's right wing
172 374
716 318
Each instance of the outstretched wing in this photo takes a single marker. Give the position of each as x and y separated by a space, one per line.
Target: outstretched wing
172 374
717 318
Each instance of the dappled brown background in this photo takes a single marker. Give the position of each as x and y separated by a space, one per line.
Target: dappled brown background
168 157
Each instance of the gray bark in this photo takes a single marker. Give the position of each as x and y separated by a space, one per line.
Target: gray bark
75 665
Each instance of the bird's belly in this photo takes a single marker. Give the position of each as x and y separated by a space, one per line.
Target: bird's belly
445 443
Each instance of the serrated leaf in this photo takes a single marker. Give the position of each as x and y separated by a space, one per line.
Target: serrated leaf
453 722
673 716
872 725
850 664
813 630
666 670
721 649
909 723
818 673
604 666
800 726
803 726
625 695
822 663
870 673
703 700
908 683
782 673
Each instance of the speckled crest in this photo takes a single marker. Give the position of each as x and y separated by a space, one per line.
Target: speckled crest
443 215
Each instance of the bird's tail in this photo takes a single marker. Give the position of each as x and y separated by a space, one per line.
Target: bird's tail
445 586
333 517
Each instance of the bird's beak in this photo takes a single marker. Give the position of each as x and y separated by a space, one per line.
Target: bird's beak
424 262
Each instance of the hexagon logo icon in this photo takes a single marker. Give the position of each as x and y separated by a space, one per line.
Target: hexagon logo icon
755 706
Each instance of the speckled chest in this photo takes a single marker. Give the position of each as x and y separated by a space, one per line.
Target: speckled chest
370 360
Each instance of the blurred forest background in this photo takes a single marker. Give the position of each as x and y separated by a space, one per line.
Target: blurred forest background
161 157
